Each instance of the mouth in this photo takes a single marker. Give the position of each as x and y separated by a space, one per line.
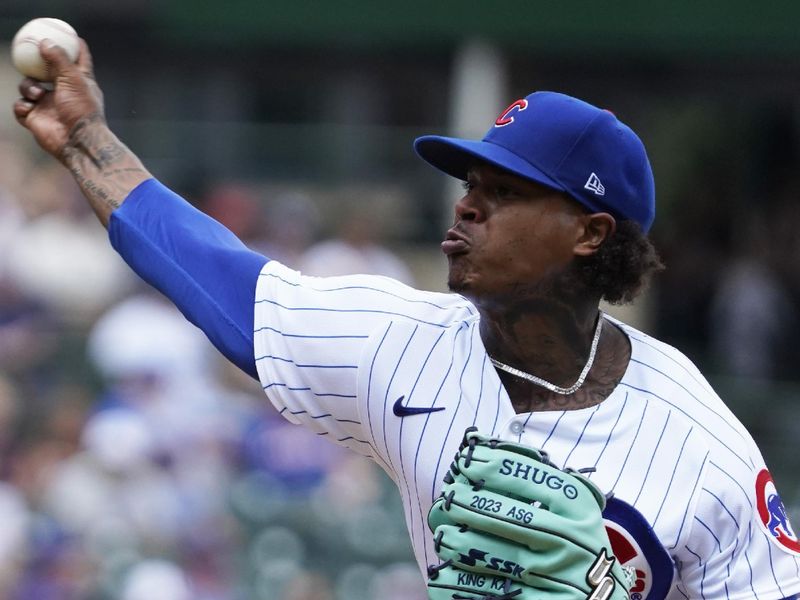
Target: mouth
455 242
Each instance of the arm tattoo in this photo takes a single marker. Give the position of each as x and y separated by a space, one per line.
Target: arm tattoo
103 166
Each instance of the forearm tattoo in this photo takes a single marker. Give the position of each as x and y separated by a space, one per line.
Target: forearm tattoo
103 166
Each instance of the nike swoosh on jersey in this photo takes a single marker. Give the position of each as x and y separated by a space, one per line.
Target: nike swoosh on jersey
400 410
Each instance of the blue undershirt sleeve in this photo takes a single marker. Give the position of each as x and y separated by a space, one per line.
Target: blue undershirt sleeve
203 268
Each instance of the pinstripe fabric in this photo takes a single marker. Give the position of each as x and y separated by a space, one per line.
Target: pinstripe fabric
335 354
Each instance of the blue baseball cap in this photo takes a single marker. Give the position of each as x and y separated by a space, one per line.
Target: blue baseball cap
565 144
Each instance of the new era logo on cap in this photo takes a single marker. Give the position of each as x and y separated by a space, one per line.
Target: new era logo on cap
593 184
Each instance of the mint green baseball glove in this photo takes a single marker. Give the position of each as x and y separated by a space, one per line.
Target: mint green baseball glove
510 524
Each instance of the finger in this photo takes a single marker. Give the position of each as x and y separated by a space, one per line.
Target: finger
22 109
84 61
543 568
449 579
31 89
507 469
58 63
506 518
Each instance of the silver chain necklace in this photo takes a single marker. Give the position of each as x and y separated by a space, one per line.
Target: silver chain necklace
551 386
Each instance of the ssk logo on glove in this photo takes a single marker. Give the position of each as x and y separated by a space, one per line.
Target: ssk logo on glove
475 556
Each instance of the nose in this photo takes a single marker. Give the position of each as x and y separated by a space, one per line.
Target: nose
468 209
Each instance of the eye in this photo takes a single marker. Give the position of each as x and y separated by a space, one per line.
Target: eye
468 186
502 191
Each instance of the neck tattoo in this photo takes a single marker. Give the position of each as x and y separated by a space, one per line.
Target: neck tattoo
564 391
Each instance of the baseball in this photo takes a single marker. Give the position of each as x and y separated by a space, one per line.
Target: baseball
25 46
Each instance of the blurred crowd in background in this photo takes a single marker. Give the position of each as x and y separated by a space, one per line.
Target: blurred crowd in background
136 464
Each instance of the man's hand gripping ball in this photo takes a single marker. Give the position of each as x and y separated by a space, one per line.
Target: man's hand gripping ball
509 524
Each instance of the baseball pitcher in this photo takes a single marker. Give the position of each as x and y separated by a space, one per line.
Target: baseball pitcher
542 449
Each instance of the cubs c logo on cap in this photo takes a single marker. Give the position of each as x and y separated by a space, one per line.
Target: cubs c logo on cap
506 117
772 514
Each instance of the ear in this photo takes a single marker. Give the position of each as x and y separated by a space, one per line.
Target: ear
597 228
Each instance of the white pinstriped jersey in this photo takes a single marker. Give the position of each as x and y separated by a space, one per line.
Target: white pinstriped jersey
335 354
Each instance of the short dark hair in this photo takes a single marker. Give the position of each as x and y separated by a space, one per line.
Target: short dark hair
621 267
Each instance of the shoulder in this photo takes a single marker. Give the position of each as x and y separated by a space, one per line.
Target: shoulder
660 369
671 384
663 375
283 287
651 354
717 519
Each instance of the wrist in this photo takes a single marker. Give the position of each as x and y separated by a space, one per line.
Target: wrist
102 165
83 138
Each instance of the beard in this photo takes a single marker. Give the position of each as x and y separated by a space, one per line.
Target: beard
457 276
456 285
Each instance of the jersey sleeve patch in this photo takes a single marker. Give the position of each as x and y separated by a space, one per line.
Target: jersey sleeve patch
772 516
